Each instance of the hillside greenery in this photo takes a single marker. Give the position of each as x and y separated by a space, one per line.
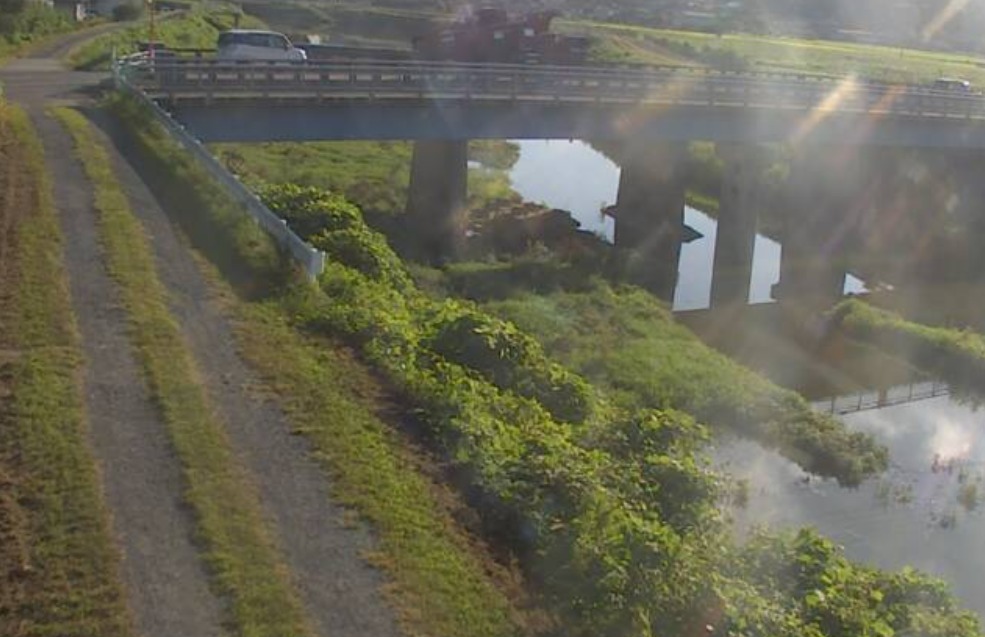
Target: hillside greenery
23 22
613 513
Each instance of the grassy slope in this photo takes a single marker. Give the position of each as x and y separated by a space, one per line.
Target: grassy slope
955 355
58 566
241 550
374 174
810 56
196 29
441 584
625 341
36 24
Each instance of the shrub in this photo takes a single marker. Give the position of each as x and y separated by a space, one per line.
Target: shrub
129 11
508 358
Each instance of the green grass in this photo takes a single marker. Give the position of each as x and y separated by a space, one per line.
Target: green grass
763 53
623 340
246 564
954 355
441 583
196 29
58 565
375 175
35 24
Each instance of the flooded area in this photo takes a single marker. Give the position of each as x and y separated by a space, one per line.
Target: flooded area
573 176
927 511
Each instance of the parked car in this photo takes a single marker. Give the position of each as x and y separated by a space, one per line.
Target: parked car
241 44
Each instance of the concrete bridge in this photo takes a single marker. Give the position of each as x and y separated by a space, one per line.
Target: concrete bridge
440 106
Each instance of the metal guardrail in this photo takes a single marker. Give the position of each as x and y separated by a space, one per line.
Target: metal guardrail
363 79
311 260
866 400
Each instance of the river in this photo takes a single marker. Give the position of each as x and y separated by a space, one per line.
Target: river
913 515
574 176
910 516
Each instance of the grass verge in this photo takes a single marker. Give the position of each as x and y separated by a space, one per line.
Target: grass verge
58 566
241 551
440 581
954 355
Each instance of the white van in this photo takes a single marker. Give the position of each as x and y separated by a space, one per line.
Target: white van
241 44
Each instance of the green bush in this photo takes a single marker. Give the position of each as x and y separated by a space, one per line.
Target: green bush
508 358
616 523
129 11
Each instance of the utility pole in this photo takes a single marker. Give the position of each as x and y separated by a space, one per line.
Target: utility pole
151 28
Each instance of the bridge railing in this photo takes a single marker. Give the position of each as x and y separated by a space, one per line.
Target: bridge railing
216 79
309 259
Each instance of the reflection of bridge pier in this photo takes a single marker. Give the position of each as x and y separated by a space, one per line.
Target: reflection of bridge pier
436 198
650 216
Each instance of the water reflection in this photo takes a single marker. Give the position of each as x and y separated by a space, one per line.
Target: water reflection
574 176
925 512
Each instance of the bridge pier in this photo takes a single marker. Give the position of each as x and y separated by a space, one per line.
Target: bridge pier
737 216
650 217
435 212
817 224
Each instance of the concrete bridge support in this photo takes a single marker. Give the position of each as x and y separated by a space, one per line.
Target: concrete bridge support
436 214
818 224
737 216
650 216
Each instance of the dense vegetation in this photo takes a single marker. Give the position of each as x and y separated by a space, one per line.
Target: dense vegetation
624 340
613 514
58 563
23 21
955 355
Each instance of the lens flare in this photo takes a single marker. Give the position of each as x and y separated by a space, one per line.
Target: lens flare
953 8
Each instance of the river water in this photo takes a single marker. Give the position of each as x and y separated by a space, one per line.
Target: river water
912 515
927 511
574 176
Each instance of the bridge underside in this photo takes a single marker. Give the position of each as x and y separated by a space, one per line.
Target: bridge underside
265 120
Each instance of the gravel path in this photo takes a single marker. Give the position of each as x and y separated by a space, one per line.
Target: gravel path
340 590
164 576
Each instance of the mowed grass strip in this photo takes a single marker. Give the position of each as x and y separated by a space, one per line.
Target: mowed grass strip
58 565
440 584
440 581
246 564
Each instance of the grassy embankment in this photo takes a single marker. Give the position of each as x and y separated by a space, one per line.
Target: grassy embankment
764 53
26 28
375 174
195 29
611 514
58 565
441 579
954 355
625 340
246 565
